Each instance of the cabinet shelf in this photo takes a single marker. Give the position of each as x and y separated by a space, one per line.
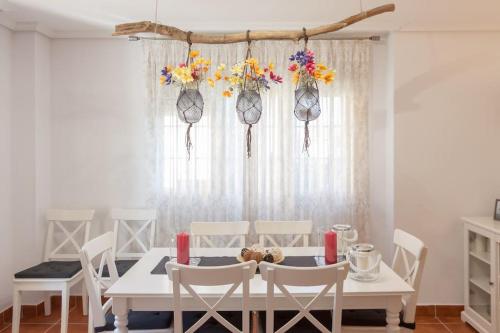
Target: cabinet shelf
481 283
481 256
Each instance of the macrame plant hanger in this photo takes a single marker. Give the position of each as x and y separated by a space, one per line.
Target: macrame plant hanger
309 111
190 102
250 110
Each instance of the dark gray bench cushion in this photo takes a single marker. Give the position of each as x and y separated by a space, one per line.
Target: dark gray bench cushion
51 270
141 320
304 325
122 266
189 318
370 317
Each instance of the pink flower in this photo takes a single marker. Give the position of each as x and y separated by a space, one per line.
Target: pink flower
293 67
182 65
275 78
310 67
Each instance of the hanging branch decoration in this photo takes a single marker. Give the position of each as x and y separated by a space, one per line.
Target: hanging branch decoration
248 78
188 75
177 34
306 74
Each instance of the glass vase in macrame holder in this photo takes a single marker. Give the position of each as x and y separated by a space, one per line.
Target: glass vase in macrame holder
249 110
249 103
190 110
307 107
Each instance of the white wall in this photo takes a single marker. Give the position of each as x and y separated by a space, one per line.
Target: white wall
5 167
447 136
98 125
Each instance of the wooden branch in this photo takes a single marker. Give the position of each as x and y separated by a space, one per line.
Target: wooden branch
177 34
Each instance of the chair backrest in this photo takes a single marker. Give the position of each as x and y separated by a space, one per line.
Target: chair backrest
142 237
202 231
408 244
267 229
102 249
74 225
233 276
283 277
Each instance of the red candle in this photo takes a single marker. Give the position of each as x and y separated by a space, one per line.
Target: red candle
183 248
330 247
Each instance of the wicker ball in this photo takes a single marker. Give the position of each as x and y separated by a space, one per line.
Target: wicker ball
190 105
249 106
307 106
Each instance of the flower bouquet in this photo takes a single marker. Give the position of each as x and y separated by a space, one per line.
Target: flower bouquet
248 78
188 76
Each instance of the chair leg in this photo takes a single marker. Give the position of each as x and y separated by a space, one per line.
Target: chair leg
47 306
85 300
90 323
64 309
16 310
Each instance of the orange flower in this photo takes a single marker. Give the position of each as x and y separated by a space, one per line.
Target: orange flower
227 93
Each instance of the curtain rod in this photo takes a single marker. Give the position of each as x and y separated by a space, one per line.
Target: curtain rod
374 38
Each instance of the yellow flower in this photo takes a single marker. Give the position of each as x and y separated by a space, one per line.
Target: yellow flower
211 82
207 62
271 66
321 67
252 62
259 71
163 79
329 77
205 69
168 68
234 80
227 93
194 54
183 74
221 67
295 78
317 74
218 75
237 69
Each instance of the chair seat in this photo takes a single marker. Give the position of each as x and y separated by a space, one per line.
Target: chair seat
51 270
122 266
140 320
370 317
304 325
189 318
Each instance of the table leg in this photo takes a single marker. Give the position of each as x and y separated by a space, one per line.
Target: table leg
392 319
120 310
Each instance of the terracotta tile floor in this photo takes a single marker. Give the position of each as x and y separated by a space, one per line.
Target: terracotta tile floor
32 323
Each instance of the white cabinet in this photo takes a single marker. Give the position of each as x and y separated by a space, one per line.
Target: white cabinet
482 263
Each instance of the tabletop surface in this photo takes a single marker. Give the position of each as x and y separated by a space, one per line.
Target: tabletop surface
139 282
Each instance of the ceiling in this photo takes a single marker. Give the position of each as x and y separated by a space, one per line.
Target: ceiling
92 18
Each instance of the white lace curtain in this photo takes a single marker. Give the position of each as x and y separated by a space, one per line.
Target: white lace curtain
279 181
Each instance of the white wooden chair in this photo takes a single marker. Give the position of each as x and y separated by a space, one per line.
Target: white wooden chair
408 244
134 235
100 319
202 231
188 277
61 268
284 277
267 229
408 262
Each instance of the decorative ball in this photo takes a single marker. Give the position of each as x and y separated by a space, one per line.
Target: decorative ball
268 257
249 107
243 251
247 256
190 105
257 256
307 106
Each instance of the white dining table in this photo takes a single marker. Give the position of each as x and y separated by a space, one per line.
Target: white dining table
140 290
